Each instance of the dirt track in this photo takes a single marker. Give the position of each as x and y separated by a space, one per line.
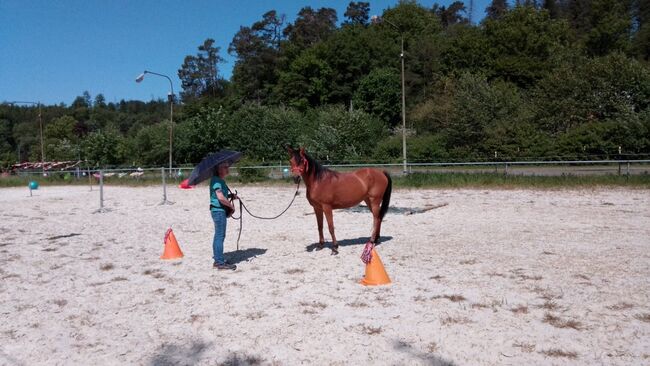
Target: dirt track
498 277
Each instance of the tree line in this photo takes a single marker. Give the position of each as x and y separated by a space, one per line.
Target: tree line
565 79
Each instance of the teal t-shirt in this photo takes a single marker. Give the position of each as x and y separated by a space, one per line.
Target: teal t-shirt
217 183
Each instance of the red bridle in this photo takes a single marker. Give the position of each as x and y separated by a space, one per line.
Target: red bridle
299 170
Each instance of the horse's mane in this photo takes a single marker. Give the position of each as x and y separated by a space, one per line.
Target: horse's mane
317 169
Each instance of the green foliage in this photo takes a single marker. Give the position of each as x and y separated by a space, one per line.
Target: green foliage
307 83
591 90
522 44
104 148
199 74
379 94
205 132
340 135
260 132
535 79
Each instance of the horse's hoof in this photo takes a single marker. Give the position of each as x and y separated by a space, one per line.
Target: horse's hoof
335 252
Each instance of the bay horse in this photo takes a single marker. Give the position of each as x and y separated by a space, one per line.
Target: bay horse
328 190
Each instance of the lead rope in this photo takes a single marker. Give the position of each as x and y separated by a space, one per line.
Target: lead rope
241 215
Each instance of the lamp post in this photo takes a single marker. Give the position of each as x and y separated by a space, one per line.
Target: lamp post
378 20
40 127
171 109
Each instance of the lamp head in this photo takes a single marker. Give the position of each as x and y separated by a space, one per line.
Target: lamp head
139 78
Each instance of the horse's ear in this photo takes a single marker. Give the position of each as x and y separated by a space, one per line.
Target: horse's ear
288 148
304 158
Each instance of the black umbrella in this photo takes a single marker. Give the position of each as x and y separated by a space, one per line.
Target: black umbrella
205 169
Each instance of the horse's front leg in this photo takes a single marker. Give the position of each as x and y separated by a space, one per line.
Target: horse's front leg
330 224
319 221
373 205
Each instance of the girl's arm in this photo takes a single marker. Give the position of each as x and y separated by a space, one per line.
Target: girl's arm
224 201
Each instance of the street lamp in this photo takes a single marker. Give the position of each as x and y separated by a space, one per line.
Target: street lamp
171 110
40 125
378 20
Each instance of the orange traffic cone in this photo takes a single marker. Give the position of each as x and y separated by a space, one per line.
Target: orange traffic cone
172 250
375 272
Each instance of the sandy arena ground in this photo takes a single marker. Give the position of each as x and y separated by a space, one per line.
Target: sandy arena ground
496 277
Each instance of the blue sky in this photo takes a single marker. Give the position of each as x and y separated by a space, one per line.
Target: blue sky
52 51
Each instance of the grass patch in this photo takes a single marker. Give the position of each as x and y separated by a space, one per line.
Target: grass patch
457 320
557 322
357 304
370 330
525 347
452 298
645 317
294 271
620 306
521 309
459 180
414 180
556 352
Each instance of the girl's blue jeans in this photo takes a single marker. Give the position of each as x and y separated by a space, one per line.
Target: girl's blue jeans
219 218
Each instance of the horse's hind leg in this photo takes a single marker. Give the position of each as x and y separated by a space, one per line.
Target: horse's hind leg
374 205
319 221
330 224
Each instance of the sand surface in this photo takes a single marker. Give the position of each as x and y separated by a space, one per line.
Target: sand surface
495 277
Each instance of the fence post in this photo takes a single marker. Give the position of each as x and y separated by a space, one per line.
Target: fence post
101 189
101 193
90 181
164 183
506 170
628 169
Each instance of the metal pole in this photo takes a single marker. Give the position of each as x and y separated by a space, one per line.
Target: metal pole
403 107
162 172
40 123
90 181
171 124
101 191
164 183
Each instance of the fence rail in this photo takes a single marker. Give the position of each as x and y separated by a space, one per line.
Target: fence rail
541 167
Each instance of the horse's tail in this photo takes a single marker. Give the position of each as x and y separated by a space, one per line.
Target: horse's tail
386 200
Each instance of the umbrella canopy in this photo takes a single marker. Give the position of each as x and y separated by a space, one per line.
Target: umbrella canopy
205 169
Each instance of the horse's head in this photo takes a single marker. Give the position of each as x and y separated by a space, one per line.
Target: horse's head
299 163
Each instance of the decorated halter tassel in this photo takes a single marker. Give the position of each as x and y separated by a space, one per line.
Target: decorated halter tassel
366 255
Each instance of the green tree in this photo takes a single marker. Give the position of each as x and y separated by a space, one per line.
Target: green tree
306 83
379 94
200 74
452 14
311 26
496 9
610 26
591 90
207 131
357 13
103 148
258 53
522 45
339 135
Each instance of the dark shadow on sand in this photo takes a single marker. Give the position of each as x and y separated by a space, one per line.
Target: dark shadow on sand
396 210
243 255
423 358
174 354
347 242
